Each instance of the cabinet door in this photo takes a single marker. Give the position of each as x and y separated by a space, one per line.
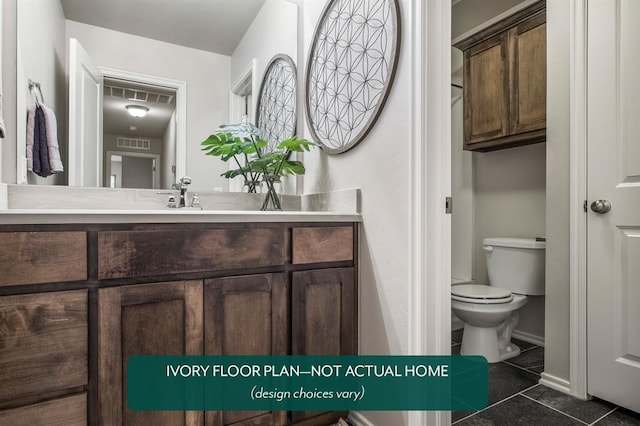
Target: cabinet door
152 319
67 411
529 75
323 315
246 315
486 91
43 347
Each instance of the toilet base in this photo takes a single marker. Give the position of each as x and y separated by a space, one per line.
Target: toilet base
484 341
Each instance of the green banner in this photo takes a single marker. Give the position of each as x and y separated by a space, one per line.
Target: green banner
292 383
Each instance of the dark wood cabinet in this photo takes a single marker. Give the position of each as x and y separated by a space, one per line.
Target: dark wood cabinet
43 358
323 311
42 257
504 87
165 289
154 319
67 411
246 315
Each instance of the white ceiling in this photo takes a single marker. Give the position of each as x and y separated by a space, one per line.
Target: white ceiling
116 119
469 14
212 25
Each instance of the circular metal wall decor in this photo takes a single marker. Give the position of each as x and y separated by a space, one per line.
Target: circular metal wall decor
276 110
350 70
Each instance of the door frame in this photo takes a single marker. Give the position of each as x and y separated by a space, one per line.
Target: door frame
577 199
430 300
181 107
429 41
156 172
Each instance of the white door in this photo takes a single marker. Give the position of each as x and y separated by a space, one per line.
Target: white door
85 118
614 175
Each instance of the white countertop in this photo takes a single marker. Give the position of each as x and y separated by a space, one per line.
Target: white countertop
38 204
59 216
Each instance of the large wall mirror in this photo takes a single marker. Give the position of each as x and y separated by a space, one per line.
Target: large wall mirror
136 89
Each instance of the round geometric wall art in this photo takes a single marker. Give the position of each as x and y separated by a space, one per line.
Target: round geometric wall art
276 110
350 70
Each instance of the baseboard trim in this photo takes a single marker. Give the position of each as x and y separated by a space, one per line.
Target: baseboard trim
553 382
528 337
358 419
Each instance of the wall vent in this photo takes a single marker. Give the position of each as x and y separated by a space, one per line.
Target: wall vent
144 144
138 94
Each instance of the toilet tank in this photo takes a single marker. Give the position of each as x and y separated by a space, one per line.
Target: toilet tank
516 264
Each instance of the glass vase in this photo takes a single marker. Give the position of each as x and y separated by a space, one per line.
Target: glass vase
252 187
274 189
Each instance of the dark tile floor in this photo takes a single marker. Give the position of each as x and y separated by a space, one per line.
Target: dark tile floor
516 398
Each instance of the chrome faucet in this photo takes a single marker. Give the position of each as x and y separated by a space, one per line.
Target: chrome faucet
182 186
183 202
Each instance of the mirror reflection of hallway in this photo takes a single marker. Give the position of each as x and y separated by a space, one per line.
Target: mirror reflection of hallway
127 170
142 148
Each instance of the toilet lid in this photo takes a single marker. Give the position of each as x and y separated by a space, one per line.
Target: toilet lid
477 293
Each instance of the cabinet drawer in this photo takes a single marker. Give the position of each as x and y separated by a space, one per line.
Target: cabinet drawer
68 411
124 254
322 244
42 257
43 343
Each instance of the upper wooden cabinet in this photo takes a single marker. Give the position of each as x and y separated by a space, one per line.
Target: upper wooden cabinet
505 82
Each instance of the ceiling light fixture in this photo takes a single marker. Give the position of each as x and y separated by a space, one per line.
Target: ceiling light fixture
137 111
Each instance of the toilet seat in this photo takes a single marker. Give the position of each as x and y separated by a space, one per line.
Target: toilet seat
481 294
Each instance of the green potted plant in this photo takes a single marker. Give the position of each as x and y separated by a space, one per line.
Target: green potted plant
242 143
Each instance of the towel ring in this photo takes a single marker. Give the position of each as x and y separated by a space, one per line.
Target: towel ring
35 85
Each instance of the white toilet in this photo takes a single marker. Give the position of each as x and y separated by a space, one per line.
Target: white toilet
490 312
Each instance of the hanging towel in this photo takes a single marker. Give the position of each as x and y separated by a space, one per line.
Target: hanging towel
53 148
31 121
37 148
43 152
40 142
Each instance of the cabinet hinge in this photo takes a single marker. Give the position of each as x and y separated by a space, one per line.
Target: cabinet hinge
448 205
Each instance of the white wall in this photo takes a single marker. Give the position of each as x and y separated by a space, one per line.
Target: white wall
8 145
509 201
261 42
206 75
42 58
2 200
273 31
168 156
557 274
110 143
462 238
469 13
379 165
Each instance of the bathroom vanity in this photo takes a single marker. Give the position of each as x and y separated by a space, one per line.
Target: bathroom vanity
77 299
